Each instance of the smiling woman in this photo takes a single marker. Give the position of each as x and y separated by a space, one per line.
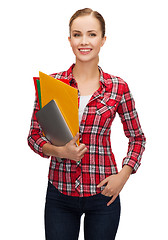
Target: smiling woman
93 185
86 38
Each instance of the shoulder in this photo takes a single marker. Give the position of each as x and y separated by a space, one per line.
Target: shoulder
59 75
111 80
116 85
63 74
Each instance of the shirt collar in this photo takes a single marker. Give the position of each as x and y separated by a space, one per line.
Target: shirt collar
71 78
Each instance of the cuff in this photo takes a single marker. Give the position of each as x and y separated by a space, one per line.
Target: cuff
39 144
132 163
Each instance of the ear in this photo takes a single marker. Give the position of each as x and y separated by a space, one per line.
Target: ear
103 41
69 39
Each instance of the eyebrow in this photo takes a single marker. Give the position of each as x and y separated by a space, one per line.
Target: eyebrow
80 31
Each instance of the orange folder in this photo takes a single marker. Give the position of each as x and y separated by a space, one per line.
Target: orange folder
66 98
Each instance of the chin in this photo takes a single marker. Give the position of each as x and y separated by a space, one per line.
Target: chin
87 59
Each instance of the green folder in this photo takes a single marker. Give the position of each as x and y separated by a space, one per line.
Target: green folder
38 90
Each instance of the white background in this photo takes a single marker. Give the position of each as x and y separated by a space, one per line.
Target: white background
34 37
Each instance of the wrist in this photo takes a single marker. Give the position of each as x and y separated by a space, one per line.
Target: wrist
59 151
126 172
51 150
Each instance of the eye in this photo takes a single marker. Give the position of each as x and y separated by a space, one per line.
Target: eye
76 35
93 34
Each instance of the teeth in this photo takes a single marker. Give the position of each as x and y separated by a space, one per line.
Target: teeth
84 50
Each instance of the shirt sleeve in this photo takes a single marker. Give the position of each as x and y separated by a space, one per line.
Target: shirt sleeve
132 130
36 139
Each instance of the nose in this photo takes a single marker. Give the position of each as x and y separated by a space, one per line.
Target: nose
84 40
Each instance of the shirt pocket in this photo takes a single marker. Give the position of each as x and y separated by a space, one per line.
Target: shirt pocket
106 108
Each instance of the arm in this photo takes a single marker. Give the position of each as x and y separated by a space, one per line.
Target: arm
40 145
35 139
136 146
132 130
69 150
115 183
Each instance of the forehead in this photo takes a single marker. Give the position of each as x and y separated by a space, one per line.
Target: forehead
86 23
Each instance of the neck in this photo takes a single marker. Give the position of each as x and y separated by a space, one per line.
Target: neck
86 71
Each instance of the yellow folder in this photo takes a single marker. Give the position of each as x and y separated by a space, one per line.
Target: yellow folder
66 98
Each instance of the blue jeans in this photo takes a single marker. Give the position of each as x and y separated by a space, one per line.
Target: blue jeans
63 214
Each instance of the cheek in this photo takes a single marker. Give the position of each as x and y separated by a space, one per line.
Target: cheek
74 46
97 49
97 45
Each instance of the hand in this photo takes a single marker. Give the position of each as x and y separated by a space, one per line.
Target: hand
73 152
115 183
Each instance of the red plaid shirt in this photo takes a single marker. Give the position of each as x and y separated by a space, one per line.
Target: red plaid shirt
98 162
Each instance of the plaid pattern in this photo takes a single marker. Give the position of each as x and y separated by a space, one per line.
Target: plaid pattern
98 162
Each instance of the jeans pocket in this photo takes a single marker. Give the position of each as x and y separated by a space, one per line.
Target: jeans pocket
105 196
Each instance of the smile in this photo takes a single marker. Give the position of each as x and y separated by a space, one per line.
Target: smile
85 50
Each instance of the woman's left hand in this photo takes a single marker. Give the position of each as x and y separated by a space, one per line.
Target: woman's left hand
115 183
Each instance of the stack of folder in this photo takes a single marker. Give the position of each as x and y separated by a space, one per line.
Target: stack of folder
66 97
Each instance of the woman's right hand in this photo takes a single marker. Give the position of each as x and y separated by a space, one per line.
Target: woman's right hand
73 152
69 150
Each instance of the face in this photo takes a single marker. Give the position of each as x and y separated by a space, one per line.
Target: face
86 38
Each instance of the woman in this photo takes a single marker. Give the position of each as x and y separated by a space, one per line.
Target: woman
93 185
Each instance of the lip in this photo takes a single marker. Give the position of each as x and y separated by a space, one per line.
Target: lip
84 51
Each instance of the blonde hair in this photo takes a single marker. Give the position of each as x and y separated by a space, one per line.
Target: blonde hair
85 12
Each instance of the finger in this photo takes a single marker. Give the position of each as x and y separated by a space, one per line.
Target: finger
104 192
81 147
79 159
107 192
83 151
112 200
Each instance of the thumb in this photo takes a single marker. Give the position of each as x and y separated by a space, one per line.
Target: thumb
75 138
102 182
